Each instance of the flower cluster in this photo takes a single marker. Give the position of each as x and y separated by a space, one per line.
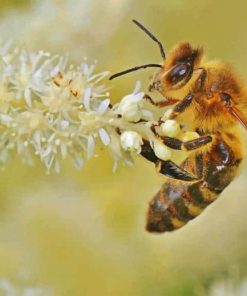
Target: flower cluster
50 111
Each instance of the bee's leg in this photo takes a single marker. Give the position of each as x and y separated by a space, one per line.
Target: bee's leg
172 170
181 106
199 165
178 109
168 167
160 104
177 144
187 100
148 152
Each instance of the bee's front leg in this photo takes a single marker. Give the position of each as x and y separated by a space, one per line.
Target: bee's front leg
178 109
160 104
166 167
181 106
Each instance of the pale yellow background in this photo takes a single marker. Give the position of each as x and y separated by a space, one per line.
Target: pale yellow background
82 233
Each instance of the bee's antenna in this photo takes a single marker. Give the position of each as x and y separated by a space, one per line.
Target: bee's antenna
152 37
134 69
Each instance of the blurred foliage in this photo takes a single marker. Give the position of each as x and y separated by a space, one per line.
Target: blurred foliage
20 4
82 233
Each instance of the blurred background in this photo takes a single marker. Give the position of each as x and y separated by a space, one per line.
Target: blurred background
82 233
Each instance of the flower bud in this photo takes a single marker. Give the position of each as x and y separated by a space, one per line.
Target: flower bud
170 128
162 151
130 108
131 141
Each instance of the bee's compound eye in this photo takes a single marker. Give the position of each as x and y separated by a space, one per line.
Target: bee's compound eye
178 72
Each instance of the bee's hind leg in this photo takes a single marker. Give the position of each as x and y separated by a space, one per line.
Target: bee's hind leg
166 167
178 144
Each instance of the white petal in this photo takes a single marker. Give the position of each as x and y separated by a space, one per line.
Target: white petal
99 76
46 152
148 115
64 124
78 161
27 95
115 166
105 138
52 137
37 138
90 70
5 119
137 87
57 167
103 106
50 162
90 146
87 98
138 97
63 148
87 70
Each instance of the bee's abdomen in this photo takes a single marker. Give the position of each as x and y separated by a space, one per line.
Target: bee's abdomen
178 202
174 206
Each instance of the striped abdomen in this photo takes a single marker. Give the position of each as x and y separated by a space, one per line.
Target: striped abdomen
178 202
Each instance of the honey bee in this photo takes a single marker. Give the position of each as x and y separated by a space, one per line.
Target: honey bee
207 98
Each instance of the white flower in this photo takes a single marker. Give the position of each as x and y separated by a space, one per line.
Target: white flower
53 112
131 141
130 107
170 128
161 151
41 106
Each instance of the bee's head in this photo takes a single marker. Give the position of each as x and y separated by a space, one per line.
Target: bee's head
177 69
